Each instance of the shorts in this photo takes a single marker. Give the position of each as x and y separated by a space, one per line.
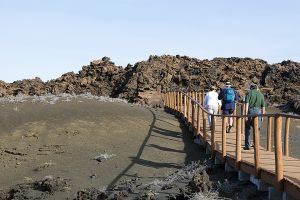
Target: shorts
228 111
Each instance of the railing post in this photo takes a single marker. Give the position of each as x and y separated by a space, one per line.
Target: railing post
238 142
269 138
256 146
193 112
243 119
198 120
278 153
224 119
286 136
193 116
204 129
188 108
196 109
169 97
185 107
234 118
212 135
180 103
202 98
172 100
177 101
164 99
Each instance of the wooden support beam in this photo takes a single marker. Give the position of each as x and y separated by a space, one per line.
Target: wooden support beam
234 118
204 130
185 107
256 146
193 111
212 135
198 120
238 152
224 119
243 119
269 137
286 136
278 153
188 108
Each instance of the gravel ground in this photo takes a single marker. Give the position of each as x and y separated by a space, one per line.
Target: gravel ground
80 147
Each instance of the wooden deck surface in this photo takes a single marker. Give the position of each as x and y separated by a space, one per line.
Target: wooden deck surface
291 166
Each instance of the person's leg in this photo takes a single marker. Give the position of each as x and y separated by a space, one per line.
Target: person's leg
215 110
225 112
258 112
210 110
230 120
248 133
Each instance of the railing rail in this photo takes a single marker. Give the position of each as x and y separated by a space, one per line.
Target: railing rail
191 106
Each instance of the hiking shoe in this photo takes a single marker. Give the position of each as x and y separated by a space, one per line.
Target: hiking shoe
228 129
246 148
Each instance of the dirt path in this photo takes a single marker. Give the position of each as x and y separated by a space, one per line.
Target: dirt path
62 140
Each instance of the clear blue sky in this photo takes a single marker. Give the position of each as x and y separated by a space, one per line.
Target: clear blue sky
48 38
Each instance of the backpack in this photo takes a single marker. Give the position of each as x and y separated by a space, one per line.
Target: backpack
229 95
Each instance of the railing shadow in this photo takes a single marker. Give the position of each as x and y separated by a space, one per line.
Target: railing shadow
165 135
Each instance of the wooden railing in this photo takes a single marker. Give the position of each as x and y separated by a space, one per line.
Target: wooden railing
190 106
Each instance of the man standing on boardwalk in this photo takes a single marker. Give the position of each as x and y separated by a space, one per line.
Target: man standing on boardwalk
228 96
254 105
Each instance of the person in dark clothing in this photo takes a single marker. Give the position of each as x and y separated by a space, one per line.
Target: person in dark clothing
228 96
254 104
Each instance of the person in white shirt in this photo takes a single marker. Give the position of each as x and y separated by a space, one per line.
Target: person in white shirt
211 102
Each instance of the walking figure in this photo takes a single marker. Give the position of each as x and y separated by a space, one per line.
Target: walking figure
211 102
254 104
228 96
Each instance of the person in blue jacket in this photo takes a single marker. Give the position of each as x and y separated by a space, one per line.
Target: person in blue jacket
228 96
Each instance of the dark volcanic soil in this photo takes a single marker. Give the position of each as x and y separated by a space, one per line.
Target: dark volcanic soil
80 148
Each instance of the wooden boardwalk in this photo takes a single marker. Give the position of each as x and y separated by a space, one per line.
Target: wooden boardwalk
269 168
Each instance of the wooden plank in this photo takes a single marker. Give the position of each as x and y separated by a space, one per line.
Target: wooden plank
292 189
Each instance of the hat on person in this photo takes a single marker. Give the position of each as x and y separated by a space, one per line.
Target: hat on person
253 86
213 87
227 84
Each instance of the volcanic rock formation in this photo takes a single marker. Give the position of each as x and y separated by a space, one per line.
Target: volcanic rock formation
145 81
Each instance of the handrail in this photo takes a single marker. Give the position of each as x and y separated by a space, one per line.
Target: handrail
190 106
246 115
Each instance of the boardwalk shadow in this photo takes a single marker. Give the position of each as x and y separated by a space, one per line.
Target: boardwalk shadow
165 148
165 135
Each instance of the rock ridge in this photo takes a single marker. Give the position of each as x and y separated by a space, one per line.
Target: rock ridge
146 81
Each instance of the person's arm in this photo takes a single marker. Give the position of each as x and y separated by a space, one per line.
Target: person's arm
246 103
263 110
220 97
236 96
205 100
246 108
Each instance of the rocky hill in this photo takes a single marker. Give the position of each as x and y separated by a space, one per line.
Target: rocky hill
145 81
